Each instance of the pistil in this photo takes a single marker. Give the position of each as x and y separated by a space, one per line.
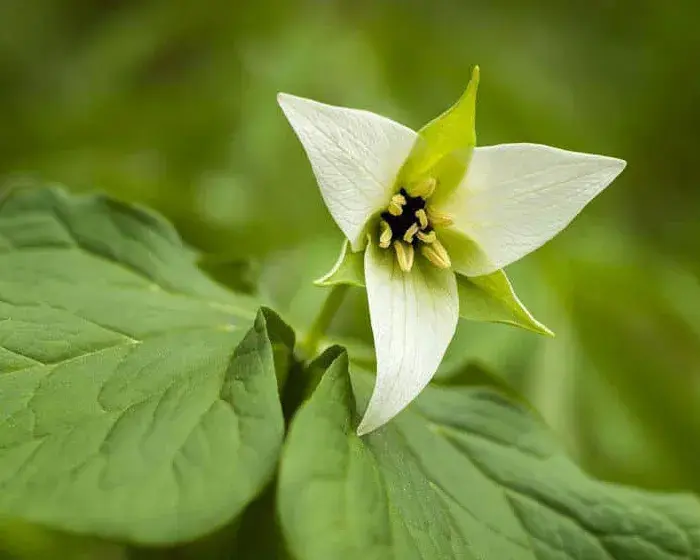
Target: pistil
408 225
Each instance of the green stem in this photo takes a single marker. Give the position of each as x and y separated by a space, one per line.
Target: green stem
323 320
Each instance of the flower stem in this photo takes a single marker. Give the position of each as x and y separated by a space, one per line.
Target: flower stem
310 344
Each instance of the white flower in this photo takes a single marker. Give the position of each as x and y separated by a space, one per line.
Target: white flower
428 208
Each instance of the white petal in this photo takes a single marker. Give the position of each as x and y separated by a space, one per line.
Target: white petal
516 197
414 316
355 155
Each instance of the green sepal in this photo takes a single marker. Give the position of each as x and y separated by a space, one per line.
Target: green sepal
444 146
491 298
488 298
348 269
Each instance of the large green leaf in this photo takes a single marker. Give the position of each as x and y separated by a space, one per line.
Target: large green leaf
139 399
463 473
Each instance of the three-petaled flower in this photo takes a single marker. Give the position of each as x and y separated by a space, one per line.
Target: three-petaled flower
428 209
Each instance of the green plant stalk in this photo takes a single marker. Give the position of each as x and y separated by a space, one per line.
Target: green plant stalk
310 344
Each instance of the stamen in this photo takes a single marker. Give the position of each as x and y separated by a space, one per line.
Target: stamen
438 218
385 235
404 255
424 188
396 205
429 237
422 218
436 254
410 232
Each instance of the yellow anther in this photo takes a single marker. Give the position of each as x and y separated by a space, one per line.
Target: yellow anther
436 253
438 218
404 255
410 232
385 235
429 237
422 218
396 205
424 188
399 199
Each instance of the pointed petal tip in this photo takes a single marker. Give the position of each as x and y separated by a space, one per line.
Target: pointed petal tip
362 431
611 161
367 426
370 420
615 165
288 100
283 98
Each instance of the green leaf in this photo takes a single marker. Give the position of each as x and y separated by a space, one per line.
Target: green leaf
27 541
348 269
241 275
491 298
139 398
258 535
463 473
444 146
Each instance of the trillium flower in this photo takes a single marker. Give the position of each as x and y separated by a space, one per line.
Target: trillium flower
430 223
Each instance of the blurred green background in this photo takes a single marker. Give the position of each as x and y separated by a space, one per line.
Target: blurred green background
171 103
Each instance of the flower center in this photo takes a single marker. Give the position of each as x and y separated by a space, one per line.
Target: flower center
407 226
405 221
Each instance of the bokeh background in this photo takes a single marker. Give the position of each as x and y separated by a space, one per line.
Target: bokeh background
171 103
